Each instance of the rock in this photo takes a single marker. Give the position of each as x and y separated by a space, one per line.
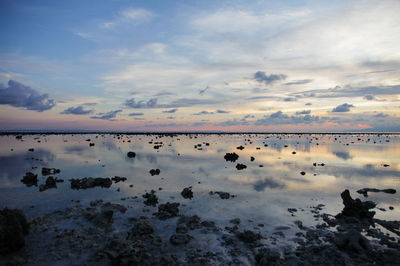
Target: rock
302 173
50 171
352 241
356 208
50 183
190 222
223 195
142 227
131 154
91 144
179 239
240 147
31 150
89 182
235 221
240 166
13 229
113 206
292 210
248 236
117 179
232 157
154 172
365 191
151 198
167 210
187 193
252 158
30 179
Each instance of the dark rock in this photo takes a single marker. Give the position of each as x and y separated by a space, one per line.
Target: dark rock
131 154
167 210
365 191
190 222
292 210
232 157
356 208
240 147
352 241
187 193
240 166
117 179
50 183
50 171
249 237
235 221
302 173
223 195
30 179
31 150
154 172
180 239
91 144
151 198
89 182
142 227
252 158
13 229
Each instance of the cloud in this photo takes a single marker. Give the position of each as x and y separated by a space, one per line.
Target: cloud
79 110
152 103
171 117
129 15
308 104
304 112
170 111
342 108
369 97
289 99
204 113
136 114
261 185
222 111
342 154
234 122
19 95
279 118
299 82
201 92
272 78
89 104
163 93
107 116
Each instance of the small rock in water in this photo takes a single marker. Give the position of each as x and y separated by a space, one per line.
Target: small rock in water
30 179
365 191
302 173
252 158
50 171
232 157
131 154
223 195
89 182
117 179
240 166
167 210
240 147
187 193
151 198
154 172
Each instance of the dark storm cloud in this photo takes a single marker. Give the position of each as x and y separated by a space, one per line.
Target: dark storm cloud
107 116
280 118
349 91
268 79
19 95
299 82
136 114
343 108
170 111
79 110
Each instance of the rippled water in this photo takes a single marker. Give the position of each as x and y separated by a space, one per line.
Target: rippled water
263 194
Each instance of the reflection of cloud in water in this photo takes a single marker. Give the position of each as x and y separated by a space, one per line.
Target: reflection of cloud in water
201 170
13 167
267 183
79 150
149 157
368 170
342 154
298 180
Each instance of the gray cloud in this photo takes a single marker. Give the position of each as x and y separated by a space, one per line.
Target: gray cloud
222 111
268 79
170 111
289 99
171 117
201 92
342 108
89 104
136 114
280 118
79 110
107 116
261 185
19 95
299 82
163 93
204 113
369 97
234 122
152 103
304 112
308 104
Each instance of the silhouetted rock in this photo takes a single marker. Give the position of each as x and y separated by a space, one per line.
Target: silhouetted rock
167 210
90 182
240 166
142 227
248 236
50 183
221 194
50 171
232 157
356 208
131 154
117 179
29 179
365 191
302 173
151 198
13 229
154 172
240 147
352 241
187 193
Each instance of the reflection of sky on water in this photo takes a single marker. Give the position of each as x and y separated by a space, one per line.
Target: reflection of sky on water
261 191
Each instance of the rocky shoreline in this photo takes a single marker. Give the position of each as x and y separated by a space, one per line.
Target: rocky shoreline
105 233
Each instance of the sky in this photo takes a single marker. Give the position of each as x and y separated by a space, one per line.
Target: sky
251 66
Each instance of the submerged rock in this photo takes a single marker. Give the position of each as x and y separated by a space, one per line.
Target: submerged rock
167 210
30 179
90 182
187 193
232 157
13 229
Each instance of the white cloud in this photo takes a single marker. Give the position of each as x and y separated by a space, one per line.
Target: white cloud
129 15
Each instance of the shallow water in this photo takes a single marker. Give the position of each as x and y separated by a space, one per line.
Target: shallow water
263 194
